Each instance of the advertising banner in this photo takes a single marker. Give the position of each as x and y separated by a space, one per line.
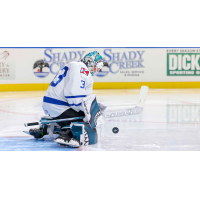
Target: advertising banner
152 66
183 64
7 65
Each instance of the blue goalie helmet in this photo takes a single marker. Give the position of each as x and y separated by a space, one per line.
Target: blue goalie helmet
94 59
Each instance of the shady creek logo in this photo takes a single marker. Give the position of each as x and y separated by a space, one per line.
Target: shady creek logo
120 61
41 69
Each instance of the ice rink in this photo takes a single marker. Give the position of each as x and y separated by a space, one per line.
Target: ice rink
170 121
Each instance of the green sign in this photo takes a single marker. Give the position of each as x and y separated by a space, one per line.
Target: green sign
183 64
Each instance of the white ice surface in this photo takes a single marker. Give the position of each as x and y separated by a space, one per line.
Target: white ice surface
170 120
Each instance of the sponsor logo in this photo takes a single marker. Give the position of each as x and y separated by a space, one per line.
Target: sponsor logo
4 55
84 71
127 63
7 70
58 60
102 72
183 64
184 113
120 62
41 69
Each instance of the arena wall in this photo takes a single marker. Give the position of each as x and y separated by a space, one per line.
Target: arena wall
128 67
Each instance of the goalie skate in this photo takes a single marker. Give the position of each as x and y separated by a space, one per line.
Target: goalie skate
36 133
67 141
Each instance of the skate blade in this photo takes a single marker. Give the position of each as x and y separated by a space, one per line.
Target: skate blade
61 143
27 132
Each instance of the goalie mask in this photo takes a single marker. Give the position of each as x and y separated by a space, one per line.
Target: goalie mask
94 62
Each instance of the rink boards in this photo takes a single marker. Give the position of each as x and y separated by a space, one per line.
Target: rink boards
21 70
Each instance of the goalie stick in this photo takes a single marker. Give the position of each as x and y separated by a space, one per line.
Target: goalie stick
136 110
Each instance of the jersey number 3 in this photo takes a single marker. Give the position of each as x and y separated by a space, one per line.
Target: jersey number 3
61 74
83 84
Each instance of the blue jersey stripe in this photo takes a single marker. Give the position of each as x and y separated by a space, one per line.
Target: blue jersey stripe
75 96
58 102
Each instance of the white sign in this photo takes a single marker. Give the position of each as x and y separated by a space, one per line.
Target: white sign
40 65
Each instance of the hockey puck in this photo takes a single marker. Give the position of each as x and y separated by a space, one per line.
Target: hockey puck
115 130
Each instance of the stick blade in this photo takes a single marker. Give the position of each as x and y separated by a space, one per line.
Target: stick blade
142 97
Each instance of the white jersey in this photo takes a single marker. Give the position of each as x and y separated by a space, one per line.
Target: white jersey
71 84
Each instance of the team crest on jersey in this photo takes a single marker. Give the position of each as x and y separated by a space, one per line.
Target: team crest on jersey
84 71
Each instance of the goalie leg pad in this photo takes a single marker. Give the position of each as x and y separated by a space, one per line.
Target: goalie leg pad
84 133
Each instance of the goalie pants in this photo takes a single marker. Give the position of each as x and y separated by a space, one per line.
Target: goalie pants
69 113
